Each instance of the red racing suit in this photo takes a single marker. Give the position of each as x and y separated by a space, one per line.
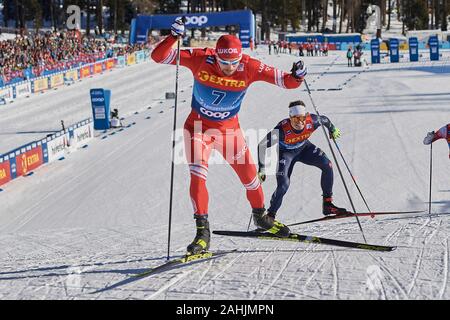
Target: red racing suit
213 122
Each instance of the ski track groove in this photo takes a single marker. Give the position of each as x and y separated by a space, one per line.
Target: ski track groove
278 275
418 264
316 270
383 266
221 272
207 269
395 233
420 256
260 269
171 283
335 277
445 269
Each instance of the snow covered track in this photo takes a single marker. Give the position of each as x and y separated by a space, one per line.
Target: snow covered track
100 216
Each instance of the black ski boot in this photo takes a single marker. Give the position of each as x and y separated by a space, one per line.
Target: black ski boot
330 209
268 223
201 241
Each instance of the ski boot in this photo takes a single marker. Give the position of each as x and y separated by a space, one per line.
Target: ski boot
201 240
268 223
329 208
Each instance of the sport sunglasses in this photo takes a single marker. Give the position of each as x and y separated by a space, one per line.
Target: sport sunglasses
228 62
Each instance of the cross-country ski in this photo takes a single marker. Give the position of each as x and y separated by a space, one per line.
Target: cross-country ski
359 214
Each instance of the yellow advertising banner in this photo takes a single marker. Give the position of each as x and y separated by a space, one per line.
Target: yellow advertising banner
40 84
72 74
131 59
57 80
404 46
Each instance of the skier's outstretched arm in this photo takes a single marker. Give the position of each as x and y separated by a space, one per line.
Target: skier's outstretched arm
165 53
258 71
333 131
442 133
433 136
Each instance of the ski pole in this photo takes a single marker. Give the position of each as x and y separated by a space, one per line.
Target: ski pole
431 175
249 222
335 159
351 175
173 145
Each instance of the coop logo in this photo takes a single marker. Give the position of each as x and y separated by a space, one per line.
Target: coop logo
196 20
217 115
98 99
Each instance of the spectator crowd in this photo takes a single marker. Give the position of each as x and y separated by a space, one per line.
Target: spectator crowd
34 55
311 48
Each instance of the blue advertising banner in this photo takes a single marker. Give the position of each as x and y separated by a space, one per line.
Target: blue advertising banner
141 25
433 42
413 49
100 99
393 50
375 50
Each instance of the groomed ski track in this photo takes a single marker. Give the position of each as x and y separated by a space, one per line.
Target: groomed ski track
82 224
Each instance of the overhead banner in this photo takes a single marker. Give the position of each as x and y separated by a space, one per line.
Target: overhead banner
245 19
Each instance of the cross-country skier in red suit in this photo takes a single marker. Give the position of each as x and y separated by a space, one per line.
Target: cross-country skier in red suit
442 133
221 79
